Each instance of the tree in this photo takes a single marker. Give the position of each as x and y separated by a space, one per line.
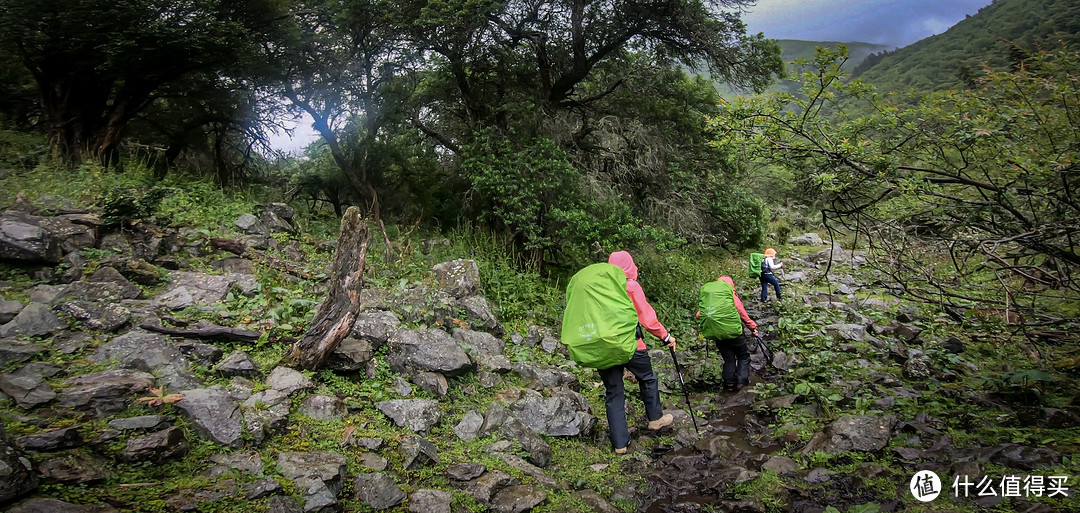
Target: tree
970 195
98 64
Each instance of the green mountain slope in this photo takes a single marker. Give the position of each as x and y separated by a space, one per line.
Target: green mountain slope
794 49
999 35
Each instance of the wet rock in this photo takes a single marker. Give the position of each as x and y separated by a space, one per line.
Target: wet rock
850 332
238 363
149 352
8 310
318 497
43 505
565 413
807 239
748 505
283 504
465 471
428 350
135 269
351 355
34 320
783 361
779 402
96 317
104 392
541 377
430 501
417 452
480 315
156 447
479 345
17 476
373 461
539 450
486 486
378 491
518 463
954 345
277 219
324 407
14 351
328 467
75 468
518 498
917 368
240 388
249 224
864 433
819 475
214 415
262 488
459 278
402 387
55 440
431 382
1023 457
780 465
419 415
288 381
265 413
22 239
200 287
198 352
469 427
141 423
27 387
375 327
595 501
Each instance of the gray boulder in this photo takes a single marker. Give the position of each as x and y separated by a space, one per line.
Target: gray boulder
428 350
851 332
430 501
105 318
156 447
565 413
265 413
17 476
43 505
27 386
419 415
479 345
200 287
417 452
324 407
149 352
375 327
479 314
378 491
53 440
111 275
865 433
76 468
487 485
352 354
459 278
14 351
328 467
238 363
539 450
545 376
105 392
141 423
288 381
431 382
518 498
808 239
8 310
249 224
214 415
34 320
22 240
469 427
203 354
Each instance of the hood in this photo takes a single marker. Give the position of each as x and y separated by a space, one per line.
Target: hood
624 261
726 279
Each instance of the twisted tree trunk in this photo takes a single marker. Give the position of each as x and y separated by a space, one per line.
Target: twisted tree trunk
337 313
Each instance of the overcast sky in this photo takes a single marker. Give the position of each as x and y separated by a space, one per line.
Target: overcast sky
885 22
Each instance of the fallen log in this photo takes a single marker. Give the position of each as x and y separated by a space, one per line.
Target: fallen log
213 332
337 313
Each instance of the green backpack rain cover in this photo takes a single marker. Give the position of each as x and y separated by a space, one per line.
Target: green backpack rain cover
719 317
600 323
755 264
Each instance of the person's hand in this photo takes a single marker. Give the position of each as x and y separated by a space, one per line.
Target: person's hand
671 341
755 332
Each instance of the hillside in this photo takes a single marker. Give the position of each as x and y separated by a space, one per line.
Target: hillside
795 50
956 57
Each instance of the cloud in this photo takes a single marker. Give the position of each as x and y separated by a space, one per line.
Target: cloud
887 22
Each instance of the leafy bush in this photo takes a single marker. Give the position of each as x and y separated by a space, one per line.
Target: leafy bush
738 217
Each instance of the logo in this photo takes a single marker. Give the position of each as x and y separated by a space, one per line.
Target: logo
587 331
925 485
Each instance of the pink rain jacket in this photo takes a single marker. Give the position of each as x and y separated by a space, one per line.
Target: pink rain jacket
645 313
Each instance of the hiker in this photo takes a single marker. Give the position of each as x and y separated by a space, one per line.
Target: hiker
767 266
640 365
724 317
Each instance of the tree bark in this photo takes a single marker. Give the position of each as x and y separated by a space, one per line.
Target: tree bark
337 313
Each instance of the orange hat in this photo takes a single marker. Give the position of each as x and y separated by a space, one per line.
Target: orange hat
770 252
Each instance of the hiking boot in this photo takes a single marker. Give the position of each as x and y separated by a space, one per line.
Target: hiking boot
621 451
666 420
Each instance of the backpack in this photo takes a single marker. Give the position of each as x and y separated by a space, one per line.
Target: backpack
600 323
755 264
719 317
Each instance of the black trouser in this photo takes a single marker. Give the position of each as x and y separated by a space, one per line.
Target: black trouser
736 355
640 365
766 279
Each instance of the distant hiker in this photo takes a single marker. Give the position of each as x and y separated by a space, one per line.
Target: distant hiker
767 265
722 318
640 365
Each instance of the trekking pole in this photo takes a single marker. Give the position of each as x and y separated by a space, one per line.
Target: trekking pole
682 383
765 351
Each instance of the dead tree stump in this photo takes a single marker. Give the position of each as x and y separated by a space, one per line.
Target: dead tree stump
337 313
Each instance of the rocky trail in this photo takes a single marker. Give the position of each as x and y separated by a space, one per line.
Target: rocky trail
131 380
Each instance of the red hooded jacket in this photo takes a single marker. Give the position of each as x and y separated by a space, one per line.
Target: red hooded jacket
645 312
